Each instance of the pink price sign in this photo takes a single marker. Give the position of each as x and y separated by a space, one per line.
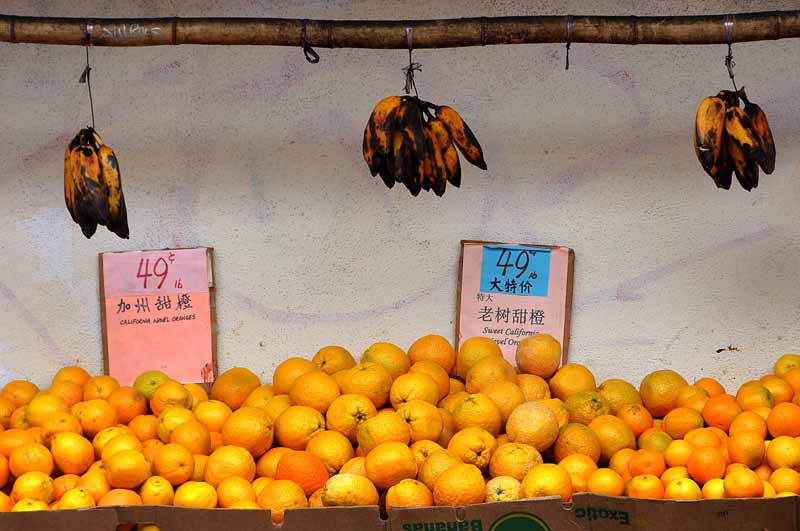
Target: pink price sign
510 291
157 314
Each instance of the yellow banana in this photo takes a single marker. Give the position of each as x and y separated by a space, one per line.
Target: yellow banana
739 130
434 177
763 132
709 129
446 154
377 143
722 171
462 135
117 213
746 167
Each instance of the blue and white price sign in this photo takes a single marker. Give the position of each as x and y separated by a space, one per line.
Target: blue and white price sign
515 270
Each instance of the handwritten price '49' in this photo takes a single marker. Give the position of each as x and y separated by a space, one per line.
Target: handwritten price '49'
520 264
160 271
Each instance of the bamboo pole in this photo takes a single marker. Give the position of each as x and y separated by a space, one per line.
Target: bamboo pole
381 34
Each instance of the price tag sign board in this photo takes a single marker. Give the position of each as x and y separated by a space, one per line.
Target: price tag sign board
510 291
158 314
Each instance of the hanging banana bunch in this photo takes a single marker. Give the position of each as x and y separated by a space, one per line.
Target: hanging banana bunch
729 139
92 185
404 142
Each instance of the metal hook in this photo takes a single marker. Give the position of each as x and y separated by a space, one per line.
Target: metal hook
311 55
729 63
570 26
86 74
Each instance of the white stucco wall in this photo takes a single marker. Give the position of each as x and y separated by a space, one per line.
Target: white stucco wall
257 153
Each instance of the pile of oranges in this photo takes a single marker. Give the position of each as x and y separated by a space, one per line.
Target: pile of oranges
430 426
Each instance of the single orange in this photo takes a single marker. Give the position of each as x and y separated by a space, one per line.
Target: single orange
613 433
409 493
576 438
783 451
533 387
748 421
234 385
712 386
436 372
677 453
305 469
539 354
784 419
196 494
174 463
229 461
212 414
144 427
250 428
636 416
315 389
19 392
30 457
423 449
119 497
281 495
234 490
369 379
12 439
99 387
72 453
682 489
392 357
125 441
743 483
660 390
533 423
705 464
96 482
423 420
605 481
389 463
332 359
646 462
703 437
547 480
680 421
127 469
259 396
58 423
720 411
785 480
193 436
333 448
72 374
95 415
170 394
384 427
71 393
646 486
753 395
434 348
473 350
286 373
792 377
780 390
746 447
128 402
462 485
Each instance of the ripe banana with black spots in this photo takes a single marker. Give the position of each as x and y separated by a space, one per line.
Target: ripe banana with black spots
709 130
92 185
414 142
763 132
729 139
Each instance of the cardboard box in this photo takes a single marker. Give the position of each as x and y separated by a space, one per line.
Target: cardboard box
587 512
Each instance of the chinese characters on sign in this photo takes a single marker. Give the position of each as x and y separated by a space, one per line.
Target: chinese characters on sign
509 291
157 313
